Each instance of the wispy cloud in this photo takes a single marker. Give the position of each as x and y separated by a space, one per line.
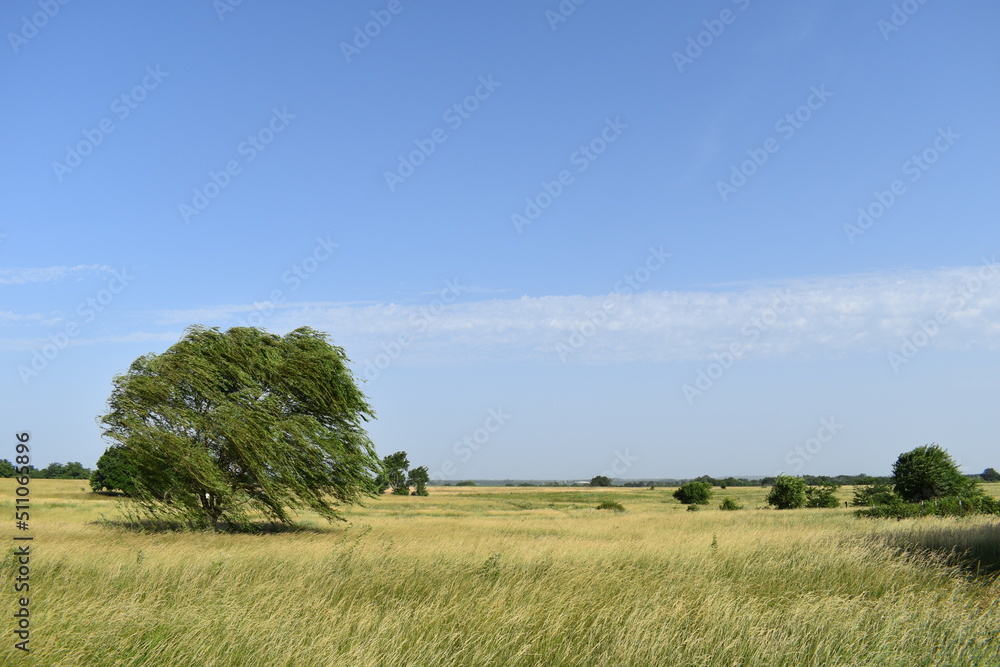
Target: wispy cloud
50 274
842 314
846 313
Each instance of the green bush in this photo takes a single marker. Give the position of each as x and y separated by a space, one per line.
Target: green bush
693 508
787 493
466 483
878 493
611 505
694 493
728 504
947 506
822 496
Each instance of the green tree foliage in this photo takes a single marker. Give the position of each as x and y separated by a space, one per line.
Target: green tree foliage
990 475
694 493
226 423
393 477
945 506
822 496
7 469
419 477
729 505
469 482
114 472
928 472
71 470
600 480
878 493
787 493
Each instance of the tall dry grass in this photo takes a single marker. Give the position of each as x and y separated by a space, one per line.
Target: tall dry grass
505 576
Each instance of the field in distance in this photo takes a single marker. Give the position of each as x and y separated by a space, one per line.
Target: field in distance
511 576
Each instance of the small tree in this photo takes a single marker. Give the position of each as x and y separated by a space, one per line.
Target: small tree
822 496
787 493
928 472
7 469
419 477
115 472
694 493
600 480
393 477
990 475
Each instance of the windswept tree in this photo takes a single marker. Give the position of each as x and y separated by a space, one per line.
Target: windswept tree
226 423
928 472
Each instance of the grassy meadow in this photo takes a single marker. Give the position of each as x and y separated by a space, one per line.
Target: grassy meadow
509 576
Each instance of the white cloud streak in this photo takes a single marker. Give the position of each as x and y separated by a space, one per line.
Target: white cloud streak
49 274
843 314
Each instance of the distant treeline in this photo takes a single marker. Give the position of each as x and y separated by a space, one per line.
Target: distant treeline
71 470
811 480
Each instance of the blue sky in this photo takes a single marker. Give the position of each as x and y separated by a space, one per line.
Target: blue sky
556 240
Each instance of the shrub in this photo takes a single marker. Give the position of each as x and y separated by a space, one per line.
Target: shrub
611 505
787 493
822 496
694 493
728 504
600 480
466 483
874 494
693 508
947 506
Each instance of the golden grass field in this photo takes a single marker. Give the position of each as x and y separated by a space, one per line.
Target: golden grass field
507 576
